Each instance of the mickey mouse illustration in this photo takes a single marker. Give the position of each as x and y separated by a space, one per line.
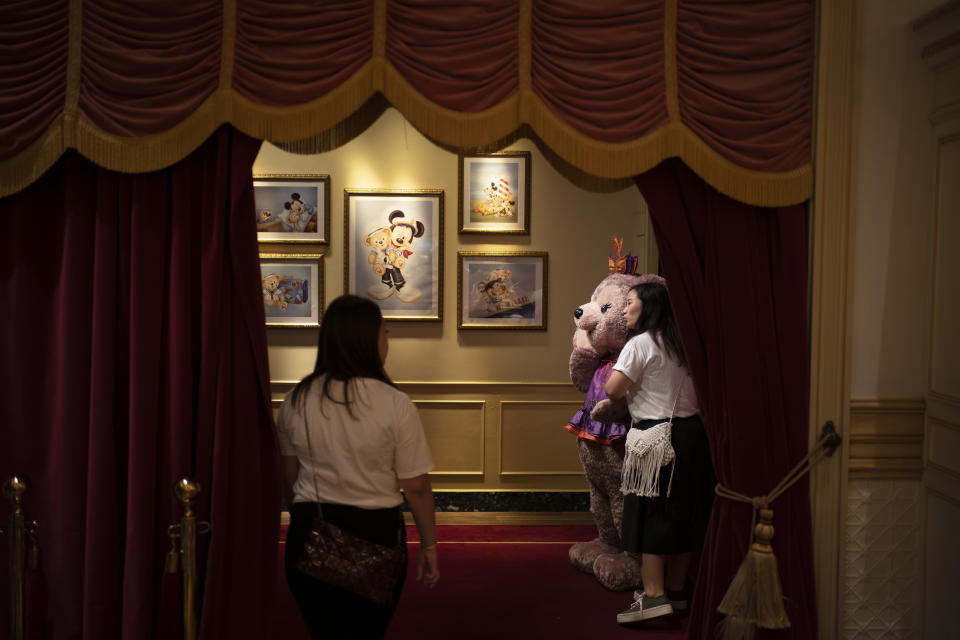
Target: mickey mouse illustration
402 234
299 214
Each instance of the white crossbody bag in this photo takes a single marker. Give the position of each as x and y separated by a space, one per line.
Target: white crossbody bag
647 451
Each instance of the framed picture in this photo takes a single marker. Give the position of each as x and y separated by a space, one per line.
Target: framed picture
502 290
292 208
394 250
292 287
495 192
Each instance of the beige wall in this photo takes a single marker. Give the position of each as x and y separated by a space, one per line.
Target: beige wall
903 510
494 402
894 206
573 225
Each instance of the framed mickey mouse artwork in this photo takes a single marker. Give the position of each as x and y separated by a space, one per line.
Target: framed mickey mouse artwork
495 192
292 207
393 250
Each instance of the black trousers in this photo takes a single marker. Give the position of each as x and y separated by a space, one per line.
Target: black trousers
331 613
675 524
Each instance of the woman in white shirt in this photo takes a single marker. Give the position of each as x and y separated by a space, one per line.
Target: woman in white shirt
365 444
651 372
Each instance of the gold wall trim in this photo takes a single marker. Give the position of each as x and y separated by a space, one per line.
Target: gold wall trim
886 438
551 443
446 385
481 407
561 434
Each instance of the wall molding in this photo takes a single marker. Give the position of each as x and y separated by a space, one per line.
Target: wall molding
886 438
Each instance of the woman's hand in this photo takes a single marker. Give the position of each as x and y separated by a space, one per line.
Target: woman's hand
420 499
428 568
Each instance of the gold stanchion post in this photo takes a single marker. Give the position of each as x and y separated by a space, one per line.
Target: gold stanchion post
16 532
186 558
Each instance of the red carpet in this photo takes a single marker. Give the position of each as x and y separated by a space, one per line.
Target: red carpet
504 582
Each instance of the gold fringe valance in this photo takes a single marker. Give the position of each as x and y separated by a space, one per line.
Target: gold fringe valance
455 130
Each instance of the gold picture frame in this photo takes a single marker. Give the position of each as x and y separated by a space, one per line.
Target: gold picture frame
292 288
393 250
292 207
502 290
494 192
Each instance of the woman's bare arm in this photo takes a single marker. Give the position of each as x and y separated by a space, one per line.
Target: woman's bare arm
419 495
617 385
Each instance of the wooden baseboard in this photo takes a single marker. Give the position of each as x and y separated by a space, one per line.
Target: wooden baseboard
509 518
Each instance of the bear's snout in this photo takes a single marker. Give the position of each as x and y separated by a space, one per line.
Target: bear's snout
586 316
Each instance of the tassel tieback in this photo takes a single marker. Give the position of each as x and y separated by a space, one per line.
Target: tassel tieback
755 596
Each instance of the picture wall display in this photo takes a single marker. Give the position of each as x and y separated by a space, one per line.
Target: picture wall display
494 191
393 250
292 288
502 290
292 207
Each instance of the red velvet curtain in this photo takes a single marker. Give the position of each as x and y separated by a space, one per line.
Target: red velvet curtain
613 86
133 354
737 276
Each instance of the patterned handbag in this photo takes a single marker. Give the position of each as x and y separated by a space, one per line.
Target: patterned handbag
343 560
353 564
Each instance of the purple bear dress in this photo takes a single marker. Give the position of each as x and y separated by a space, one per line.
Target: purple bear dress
583 425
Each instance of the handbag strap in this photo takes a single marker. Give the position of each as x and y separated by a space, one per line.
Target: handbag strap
306 426
316 488
676 397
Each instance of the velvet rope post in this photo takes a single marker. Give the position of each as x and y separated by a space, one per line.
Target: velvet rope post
755 597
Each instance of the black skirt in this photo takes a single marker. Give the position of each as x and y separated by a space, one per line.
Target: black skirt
676 524
330 612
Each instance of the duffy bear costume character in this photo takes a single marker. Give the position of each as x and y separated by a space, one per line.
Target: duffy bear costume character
600 335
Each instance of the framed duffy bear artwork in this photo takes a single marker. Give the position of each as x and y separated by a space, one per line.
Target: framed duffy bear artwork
393 250
494 192
292 207
292 288
502 290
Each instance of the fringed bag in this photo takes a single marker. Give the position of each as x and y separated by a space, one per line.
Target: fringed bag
647 450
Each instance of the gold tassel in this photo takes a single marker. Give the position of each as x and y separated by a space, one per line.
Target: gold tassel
755 597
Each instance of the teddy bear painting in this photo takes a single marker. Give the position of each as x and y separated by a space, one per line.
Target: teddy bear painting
601 332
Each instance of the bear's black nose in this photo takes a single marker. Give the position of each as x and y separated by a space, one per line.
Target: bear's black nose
578 313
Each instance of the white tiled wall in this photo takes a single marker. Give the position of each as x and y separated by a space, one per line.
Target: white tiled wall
882 595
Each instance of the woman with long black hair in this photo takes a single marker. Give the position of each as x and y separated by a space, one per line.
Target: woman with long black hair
350 442
666 528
